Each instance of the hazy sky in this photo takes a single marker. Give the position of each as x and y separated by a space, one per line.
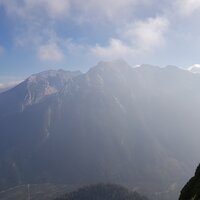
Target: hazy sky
74 34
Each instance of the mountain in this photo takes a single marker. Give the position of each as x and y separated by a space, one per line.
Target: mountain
103 192
34 90
138 127
191 191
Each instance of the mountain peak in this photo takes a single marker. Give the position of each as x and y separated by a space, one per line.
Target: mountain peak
113 62
172 67
107 66
51 73
47 83
38 87
119 63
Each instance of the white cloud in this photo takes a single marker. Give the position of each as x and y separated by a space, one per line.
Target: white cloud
50 52
195 65
29 9
105 10
194 68
149 34
80 11
138 38
8 85
188 7
115 49
39 19
53 8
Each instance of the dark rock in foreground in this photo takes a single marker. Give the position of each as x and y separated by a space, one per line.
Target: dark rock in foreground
191 190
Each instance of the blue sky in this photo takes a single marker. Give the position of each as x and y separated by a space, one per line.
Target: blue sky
36 35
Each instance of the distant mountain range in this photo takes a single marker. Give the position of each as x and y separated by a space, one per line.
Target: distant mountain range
135 126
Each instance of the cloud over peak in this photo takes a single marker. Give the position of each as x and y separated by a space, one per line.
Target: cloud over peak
50 52
136 39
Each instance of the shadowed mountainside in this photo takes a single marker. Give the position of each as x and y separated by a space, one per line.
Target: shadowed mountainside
113 123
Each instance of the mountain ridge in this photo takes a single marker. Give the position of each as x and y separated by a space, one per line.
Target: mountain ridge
113 123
